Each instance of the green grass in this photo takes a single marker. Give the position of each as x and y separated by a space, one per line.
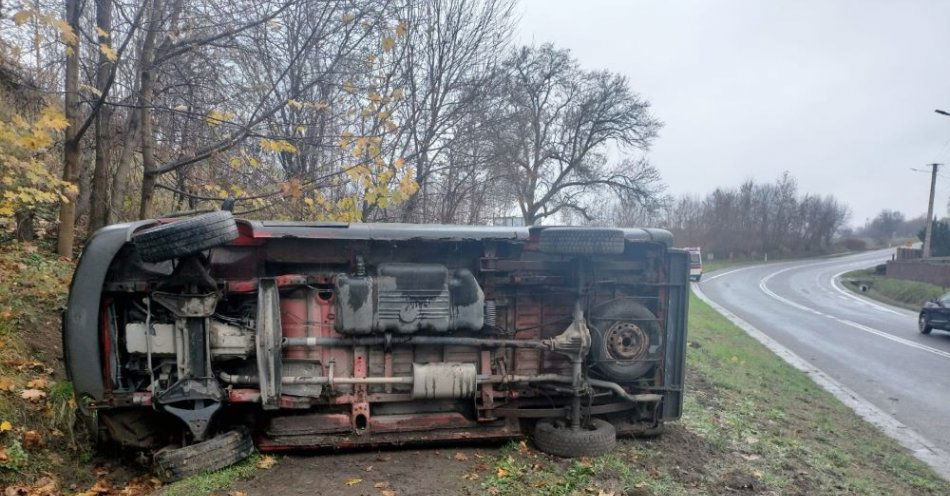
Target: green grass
203 484
908 294
750 421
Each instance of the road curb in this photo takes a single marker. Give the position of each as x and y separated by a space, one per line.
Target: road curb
920 447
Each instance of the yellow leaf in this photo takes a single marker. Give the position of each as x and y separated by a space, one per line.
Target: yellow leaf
5 426
102 32
22 16
501 473
216 117
266 462
354 481
401 29
388 44
6 384
277 146
460 456
108 51
65 31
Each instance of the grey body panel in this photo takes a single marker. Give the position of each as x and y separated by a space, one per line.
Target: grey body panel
398 232
81 347
675 361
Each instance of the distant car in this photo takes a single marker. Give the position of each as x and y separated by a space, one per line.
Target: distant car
935 315
695 263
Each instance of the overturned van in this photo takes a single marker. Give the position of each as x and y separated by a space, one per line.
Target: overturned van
198 339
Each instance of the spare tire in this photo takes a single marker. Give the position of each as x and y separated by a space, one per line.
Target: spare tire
556 437
581 241
625 340
226 449
186 237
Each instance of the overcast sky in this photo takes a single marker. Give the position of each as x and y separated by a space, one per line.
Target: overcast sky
840 93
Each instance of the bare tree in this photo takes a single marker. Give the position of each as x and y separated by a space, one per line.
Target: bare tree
562 125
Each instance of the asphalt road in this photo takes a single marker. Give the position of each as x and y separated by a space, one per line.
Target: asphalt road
871 348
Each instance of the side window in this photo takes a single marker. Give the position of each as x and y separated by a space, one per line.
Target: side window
945 299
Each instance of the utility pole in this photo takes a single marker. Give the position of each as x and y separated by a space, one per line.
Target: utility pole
928 230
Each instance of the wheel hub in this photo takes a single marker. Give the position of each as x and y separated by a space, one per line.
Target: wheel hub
626 341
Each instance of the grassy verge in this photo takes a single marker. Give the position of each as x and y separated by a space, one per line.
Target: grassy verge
203 484
908 294
751 424
37 419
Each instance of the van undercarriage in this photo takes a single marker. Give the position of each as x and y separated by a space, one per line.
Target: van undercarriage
311 336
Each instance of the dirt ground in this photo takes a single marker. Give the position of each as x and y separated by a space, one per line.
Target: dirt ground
429 471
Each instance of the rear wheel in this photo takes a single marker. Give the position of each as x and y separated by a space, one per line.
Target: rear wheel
923 324
556 437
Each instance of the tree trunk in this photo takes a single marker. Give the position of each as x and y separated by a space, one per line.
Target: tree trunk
99 208
71 151
120 182
146 87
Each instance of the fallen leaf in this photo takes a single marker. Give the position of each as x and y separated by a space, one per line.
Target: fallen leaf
32 394
46 486
387 492
38 384
368 468
5 426
6 384
102 486
501 473
354 481
523 447
470 476
237 493
460 456
381 485
16 491
32 439
266 462
3 455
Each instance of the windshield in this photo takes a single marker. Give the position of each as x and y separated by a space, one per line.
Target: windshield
695 258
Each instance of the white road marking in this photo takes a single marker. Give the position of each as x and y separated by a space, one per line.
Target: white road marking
922 449
710 278
836 284
764 288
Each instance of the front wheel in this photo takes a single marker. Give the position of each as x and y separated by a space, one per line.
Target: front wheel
923 324
173 464
557 438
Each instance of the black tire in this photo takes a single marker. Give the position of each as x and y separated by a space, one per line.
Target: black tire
556 437
640 322
697 278
225 449
581 241
923 324
186 237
